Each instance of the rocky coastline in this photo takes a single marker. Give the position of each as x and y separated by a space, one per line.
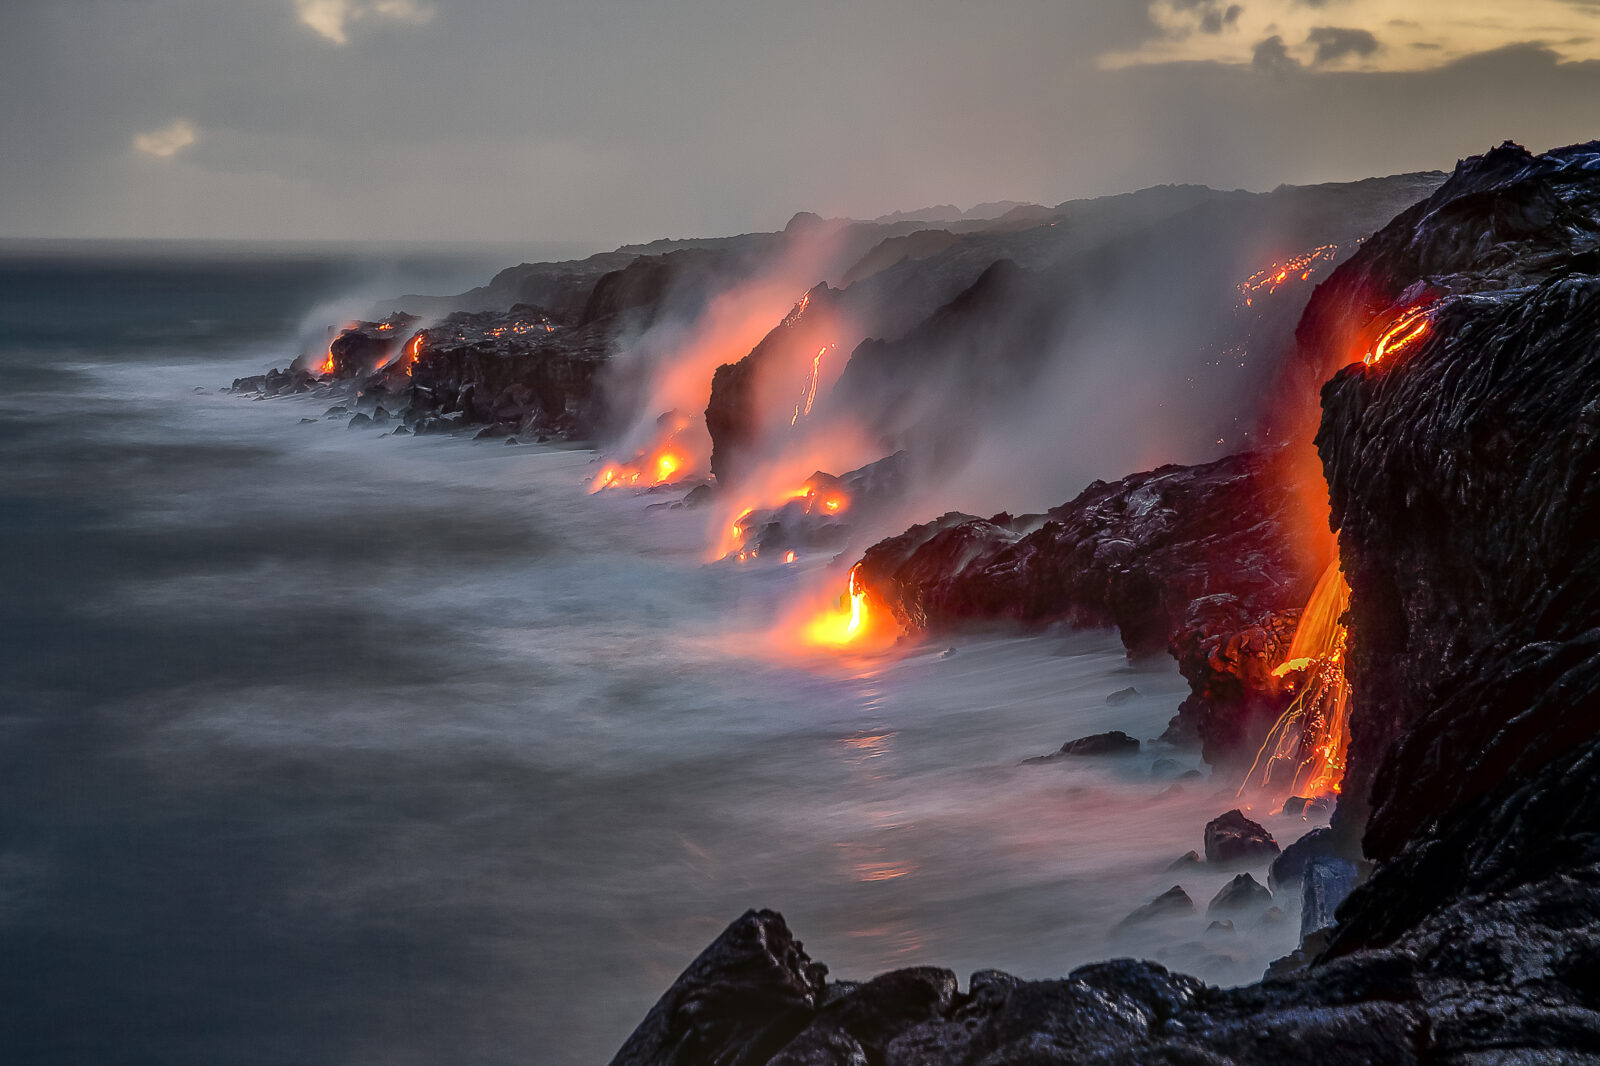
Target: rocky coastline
1451 912
1460 473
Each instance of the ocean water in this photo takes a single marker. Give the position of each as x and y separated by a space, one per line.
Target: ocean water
325 746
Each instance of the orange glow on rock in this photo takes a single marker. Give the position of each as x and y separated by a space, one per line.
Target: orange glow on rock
1304 754
661 464
731 540
844 624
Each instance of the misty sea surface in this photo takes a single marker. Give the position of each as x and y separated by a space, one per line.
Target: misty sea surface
319 745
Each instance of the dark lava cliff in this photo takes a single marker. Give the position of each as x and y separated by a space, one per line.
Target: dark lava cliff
1462 475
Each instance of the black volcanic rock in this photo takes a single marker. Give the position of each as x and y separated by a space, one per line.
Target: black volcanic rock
1290 866
1199 561
1173 901
747 995
1243 893
833 507
1232 838
742 393
1227 648
1462 475
1115 742
643 283
1135 554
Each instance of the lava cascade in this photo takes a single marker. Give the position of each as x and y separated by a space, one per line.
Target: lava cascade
1304 753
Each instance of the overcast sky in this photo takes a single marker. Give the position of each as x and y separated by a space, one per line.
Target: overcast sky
602 121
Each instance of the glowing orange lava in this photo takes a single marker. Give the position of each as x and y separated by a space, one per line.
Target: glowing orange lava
1410 327
1295 268
1304 754
670 457
644 470
408 357
809 396
832 502
841 626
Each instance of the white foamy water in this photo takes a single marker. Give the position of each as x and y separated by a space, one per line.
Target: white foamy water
398 749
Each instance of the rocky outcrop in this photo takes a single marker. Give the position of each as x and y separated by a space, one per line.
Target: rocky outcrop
747 996
520 370
1199 561
1135 554
1454 990
1233 839
745 401
1462 480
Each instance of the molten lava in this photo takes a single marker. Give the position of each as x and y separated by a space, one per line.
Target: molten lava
845 624
662 463
1295 268
1410 327
408 357
809 395
808 499
1304 754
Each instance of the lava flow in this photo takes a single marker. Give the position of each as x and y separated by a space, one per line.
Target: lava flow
413 349
845 623
662 463
809 396
1295 268
1304 754
1407 329
809 499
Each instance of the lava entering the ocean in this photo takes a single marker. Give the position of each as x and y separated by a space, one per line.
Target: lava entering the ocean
668 460
816 497
1304 754
845 624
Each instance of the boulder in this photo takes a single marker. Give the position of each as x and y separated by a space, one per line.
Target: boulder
1173 901
1233 839
747 995
1116 742
1243 893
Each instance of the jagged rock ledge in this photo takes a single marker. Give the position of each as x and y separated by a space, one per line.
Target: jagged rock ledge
1462 481
1202 562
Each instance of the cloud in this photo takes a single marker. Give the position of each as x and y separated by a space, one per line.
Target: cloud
1334 43
1215 19
1271 56
1210 31
167 141
330 18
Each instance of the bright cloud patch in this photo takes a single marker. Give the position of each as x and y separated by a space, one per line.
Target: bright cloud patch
1368 35
332 18
167 141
